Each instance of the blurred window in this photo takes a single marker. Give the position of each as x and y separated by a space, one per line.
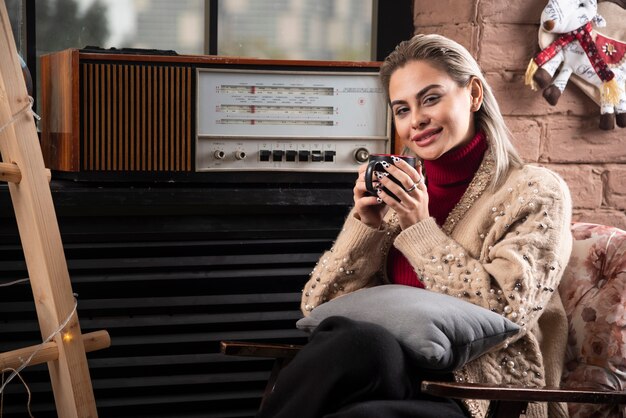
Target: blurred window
149 24
278 29
17 15
296 29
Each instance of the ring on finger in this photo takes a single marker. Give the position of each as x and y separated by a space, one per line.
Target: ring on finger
414 186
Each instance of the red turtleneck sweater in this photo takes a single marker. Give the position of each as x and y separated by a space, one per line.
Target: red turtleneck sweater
447 179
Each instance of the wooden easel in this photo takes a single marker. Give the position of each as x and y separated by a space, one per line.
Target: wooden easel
24 169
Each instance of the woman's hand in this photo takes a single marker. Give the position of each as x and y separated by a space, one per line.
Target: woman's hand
368 209
413 205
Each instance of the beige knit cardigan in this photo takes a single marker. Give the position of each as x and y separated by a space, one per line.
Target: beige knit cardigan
504 250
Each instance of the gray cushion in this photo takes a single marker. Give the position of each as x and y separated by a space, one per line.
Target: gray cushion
440 332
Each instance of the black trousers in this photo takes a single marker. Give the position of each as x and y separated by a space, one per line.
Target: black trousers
352 369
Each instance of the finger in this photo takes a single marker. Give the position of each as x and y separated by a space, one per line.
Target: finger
412 188
406 167
387 199
361 179
367 201
376 176
402 170
361 174
421 183
402 164
381 196
360 189
395 188
406 179
362 168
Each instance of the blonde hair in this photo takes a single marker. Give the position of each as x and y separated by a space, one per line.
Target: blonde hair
457 62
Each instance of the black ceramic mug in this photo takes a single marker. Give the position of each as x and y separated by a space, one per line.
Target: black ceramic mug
376 163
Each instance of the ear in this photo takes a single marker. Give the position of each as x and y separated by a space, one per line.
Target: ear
599 21
476 94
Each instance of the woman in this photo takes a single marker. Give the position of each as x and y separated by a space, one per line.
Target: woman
484 227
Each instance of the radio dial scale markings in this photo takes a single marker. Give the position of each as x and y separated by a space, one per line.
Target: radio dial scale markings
288 120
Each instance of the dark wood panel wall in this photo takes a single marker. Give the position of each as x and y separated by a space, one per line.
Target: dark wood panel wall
170 270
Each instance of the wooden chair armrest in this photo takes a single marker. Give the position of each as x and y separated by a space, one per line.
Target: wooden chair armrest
248 349
518 393
281 353
506 401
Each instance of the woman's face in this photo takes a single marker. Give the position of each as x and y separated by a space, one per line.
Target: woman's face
431 112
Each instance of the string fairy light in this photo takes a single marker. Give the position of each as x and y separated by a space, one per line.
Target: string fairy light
40 346
30 414
7 284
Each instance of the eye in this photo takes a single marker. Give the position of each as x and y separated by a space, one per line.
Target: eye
431 99
581 5
400 110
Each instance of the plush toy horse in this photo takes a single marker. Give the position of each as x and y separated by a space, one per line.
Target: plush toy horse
576 51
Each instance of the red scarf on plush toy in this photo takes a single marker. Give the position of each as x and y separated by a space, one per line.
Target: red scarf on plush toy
610 90
583 36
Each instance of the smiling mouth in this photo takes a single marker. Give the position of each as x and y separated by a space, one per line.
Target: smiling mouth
426 136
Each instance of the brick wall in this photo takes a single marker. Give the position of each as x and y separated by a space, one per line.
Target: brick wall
502 35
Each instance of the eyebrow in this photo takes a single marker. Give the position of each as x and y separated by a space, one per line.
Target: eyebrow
418 95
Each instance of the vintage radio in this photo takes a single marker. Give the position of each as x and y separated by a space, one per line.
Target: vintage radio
107 113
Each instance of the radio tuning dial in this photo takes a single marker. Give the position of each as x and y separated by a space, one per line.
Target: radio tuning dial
361 155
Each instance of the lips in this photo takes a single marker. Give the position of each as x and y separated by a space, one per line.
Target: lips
425 138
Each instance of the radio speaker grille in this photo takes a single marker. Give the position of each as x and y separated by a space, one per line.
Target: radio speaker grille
136 117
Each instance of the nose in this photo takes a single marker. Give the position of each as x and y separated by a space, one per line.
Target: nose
548 25
418 119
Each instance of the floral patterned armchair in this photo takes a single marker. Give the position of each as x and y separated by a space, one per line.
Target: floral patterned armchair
593 290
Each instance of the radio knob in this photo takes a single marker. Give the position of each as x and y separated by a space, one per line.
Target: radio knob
362 155
219 154
240 155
